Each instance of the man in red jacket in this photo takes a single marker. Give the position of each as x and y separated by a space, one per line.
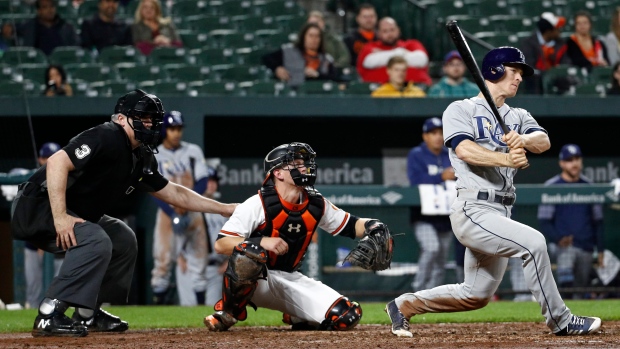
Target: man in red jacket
373 58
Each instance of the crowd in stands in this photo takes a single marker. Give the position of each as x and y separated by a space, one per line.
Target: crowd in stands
237 48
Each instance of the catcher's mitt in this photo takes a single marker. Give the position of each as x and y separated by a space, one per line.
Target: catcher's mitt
374 251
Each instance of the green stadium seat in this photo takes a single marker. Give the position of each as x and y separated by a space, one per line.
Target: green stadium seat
214 56
112 55
360 88
471 24
234 8
533 8
18 18
498 39
348 74
591 89
88 8
279 8
16 89
83 88
91 72
511 24
8 72
69 55
255 56
269 88
186 8
229 39
557 79
176 88
34 73
241 73
137 73
114 88
600 75
290 23
441 9
206 23
192 39
170 55
493 7
206 88
277 39
23 55
254 23
188 72
318 87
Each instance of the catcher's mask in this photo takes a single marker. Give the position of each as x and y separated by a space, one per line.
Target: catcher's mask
286 154
139 105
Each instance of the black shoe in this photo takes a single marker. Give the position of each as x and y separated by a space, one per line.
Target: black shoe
57 325
102 322
580 325
400 324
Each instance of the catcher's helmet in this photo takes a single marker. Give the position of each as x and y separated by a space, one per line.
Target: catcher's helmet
493 62
286 154
171 118
138 104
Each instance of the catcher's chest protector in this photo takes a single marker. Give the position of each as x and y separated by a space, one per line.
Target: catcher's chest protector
295 224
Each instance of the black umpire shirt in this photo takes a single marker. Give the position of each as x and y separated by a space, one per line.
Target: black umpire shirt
106 171
97 33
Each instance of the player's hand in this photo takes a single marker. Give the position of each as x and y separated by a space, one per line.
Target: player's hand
513 140
311 73
282 74
516 158
275 245
65 237
448 174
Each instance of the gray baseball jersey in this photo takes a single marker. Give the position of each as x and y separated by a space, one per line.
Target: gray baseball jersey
484 226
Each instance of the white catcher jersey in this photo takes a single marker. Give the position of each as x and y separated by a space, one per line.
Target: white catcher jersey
186 161
250 214
473 118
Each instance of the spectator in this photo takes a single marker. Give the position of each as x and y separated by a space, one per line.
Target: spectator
397 86
334 46
429 163
305 60
56 82
366 19
453 83
47 30
151 30
7 37
102 30
544 49
584 50
374 56
615 81
612 39
573 230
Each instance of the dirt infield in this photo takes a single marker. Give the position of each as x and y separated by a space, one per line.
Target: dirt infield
504 335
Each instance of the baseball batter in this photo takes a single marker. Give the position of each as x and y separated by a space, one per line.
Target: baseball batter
267 238
485 161
180 236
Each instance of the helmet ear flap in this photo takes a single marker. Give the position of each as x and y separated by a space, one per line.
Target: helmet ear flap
498 71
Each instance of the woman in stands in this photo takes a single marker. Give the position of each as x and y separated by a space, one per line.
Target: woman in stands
151 29
583 49
56 82
615 81
305 60
612 39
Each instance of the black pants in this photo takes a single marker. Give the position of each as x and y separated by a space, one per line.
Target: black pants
98 269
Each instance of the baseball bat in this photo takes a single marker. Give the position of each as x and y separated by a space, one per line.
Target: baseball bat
468 58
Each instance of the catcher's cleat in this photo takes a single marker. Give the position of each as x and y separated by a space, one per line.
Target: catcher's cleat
219 321
57 325
400 324
102 321
297 324
580 325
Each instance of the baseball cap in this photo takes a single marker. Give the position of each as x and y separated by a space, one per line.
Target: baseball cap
431 124
452 54
548 20
48 149
569 151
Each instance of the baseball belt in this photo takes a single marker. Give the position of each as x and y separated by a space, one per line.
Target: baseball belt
506 199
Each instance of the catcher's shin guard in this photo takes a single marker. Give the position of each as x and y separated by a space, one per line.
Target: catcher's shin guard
342 316
245 267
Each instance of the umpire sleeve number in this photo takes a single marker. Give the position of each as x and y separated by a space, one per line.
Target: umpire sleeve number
82 151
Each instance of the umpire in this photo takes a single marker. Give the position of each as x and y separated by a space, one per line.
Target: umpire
62 209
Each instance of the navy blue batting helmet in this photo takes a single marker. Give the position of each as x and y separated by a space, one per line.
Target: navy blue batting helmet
171 118
48 149
493 62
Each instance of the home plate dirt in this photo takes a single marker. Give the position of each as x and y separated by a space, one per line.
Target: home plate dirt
473 335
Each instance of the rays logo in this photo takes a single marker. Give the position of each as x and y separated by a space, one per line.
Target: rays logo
489 130
391 197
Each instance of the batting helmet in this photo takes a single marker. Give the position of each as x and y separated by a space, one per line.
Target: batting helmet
48 149
171 118
493 62
286 154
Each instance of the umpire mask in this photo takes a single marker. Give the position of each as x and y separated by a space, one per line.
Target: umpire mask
139 105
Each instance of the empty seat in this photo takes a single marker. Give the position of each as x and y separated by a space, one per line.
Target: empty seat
187 72
120 54
8 73
498 39
206 88
234 8
69 55
279 7
318 87
360 88
33 72
178 88
23 55
241 73
137 73
254 23
559 79
186 8
471 24
600 75
15 89
230 39
591 89
169 55
114 88
269 88
91 72
511 24
192 39
205 23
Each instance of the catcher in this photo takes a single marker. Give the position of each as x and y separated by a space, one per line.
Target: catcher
267 238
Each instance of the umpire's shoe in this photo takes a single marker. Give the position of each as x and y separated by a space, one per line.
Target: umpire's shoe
102 321
580 325
400 324
57 325
219 321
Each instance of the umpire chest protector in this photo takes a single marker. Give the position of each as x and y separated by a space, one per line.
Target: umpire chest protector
294 223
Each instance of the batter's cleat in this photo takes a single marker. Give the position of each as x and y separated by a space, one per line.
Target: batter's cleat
580 325
102 321
57 325
298 324
400 324
219 321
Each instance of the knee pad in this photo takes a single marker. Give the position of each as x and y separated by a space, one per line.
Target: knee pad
342 316
246 265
